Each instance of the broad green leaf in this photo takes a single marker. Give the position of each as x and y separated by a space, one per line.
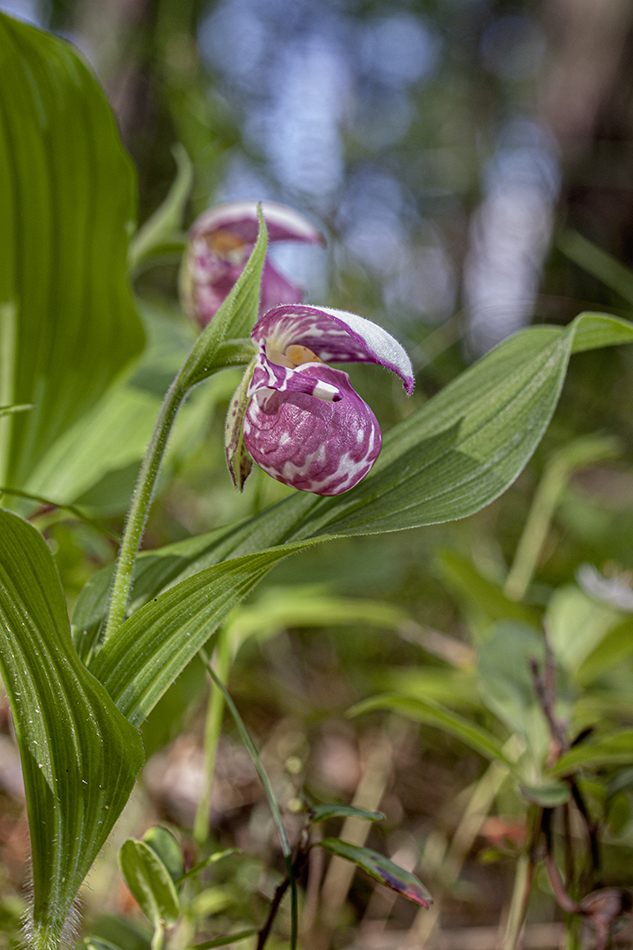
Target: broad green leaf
457 453
433 714
163 843
79 755
123 421
150 883
165 223
323 812
615 749
67 202
380 868
154 645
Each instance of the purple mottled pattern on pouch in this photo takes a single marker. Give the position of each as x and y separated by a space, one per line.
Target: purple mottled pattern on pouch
310 444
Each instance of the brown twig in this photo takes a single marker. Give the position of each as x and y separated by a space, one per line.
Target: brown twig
297 865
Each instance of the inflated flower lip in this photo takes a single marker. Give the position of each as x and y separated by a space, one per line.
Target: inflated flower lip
300 419
220 242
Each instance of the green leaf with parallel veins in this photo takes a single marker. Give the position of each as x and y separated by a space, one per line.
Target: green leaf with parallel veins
380 868
457 453
67 200
143 658
150 883
79 755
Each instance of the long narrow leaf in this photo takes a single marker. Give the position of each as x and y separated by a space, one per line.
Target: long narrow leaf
79 755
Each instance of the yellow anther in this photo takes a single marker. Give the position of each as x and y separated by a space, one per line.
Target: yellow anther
225 243
298 354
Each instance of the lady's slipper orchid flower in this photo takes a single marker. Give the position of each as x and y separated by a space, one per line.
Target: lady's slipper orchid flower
220 242
297 417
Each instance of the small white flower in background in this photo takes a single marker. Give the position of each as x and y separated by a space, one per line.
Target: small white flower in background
615 591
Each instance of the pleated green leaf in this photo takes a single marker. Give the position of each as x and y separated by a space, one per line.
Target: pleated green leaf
79 755
153 646
67 205
456 454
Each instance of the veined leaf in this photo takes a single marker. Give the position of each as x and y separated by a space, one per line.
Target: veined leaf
456 454
150 883
163 843
433 714
67 200
79 755
380 868
143 658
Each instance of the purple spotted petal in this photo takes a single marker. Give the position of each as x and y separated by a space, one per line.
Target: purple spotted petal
335 336
220 242
310 444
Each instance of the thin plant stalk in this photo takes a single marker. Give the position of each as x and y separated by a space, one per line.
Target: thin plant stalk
212 729
141 501
578 454
272 802
523 878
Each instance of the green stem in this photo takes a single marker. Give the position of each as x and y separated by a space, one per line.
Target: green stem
141 501
212 730
158 938
272 802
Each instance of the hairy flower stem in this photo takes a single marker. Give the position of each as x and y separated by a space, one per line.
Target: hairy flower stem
141 501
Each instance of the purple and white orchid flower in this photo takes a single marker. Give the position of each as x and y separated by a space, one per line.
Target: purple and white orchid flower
220 243
300 419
